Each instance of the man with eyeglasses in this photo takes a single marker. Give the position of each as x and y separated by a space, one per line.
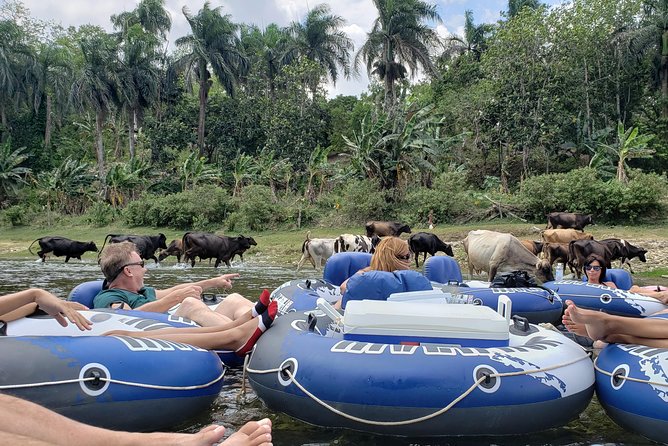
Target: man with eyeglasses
124 271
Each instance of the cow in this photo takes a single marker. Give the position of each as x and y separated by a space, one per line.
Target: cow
568 220
558 251
498 252
427 243
175 248
564 235
146 245
61 246
384 228
206 245
240 252
534 247
352 243
316 250
608 249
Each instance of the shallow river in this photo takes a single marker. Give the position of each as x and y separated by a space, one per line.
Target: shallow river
233 408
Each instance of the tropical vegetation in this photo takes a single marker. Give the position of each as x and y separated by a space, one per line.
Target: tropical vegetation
550 108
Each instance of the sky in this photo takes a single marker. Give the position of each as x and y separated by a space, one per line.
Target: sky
359 16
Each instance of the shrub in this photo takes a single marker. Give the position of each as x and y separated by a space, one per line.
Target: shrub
257 208
100 214
202 208
362 200
16 215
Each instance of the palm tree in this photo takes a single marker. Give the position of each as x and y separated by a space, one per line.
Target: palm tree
12 174
515 6
213 43
95 85
140 34
265 49
399 41
241 171
474 40
16 65
321 40
651 38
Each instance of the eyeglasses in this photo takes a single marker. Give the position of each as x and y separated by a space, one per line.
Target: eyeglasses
404 257
592 267
120 270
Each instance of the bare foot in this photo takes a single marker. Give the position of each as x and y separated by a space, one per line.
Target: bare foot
578 329
208 436
595 322
253 433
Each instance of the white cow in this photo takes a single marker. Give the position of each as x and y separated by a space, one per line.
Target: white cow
498 252
352 243
316 250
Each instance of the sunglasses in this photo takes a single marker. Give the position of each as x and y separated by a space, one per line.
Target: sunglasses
592 267
120 270
404 257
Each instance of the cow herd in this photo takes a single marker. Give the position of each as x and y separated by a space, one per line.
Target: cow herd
564 240
190 247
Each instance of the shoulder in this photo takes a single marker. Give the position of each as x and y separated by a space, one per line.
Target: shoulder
107 297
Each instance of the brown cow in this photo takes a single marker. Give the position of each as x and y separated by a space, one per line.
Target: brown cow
565 220
534 247
498 252
564 235
384 228
558 251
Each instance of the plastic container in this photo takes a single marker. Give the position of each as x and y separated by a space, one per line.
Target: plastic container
559 272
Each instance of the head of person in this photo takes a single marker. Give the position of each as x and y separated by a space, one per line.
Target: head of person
392 254
121 264
594 268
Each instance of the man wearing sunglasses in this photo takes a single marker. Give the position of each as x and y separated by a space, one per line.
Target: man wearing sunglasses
124 271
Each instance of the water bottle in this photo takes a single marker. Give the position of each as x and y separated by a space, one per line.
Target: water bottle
559 272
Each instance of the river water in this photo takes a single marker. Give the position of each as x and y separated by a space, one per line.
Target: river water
238 404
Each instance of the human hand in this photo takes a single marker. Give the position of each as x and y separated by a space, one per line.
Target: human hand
63 311
189 291
225 281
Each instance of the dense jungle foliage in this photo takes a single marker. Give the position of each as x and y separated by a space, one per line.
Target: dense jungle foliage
562 108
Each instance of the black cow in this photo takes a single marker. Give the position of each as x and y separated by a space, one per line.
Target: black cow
175 248
211 246
383 228
146 245
608 249
567 220
251 242
61 246
425 242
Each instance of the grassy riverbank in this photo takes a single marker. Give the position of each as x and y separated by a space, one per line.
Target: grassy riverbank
283 247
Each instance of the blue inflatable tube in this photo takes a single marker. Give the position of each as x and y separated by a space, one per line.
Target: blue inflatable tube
537 305
307 370
632 386
113 382
610 300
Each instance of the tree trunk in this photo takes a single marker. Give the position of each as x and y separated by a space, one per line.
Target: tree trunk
47 124
131 133
664 74
203 94
99 147
3 121
587 105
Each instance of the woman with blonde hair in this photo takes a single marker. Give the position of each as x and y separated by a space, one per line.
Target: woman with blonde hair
392 254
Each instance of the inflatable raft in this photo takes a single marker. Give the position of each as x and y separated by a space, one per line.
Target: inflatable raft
601 297
423 369
632 386
115 382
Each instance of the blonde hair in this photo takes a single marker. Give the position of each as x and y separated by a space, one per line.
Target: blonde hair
385 258
114 256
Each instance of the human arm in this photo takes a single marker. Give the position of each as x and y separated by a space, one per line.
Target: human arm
32 298
166 299
223 281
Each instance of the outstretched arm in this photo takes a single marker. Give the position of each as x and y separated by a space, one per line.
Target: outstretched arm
26 301
223 281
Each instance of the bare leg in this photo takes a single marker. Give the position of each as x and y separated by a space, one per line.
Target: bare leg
20 418
200 312
234 306
601 326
